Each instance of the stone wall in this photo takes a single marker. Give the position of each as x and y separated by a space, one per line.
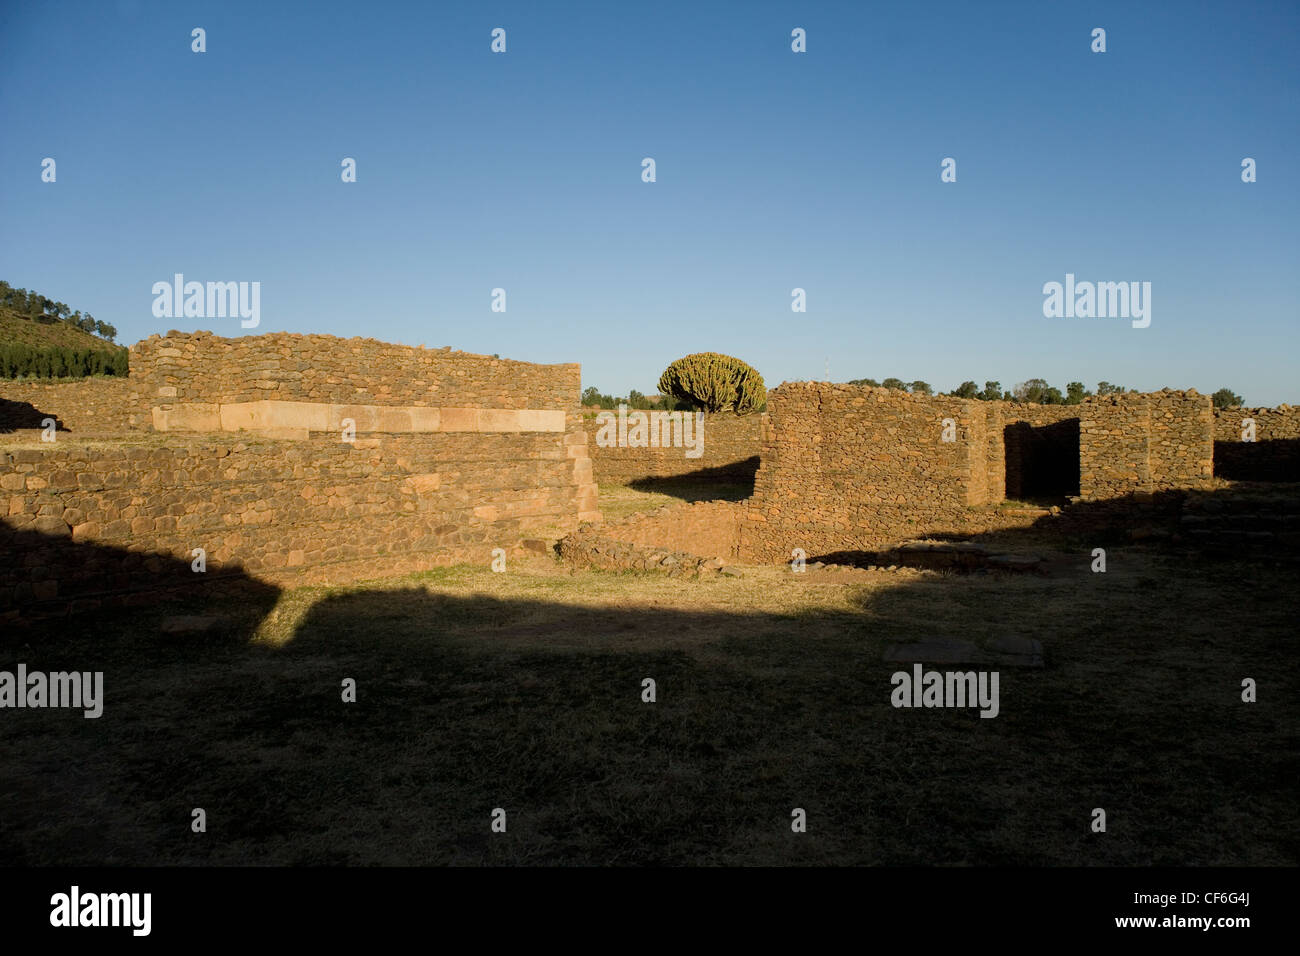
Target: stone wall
1141 443
1181 425
306 511
730 453
1038 448
202 368
1274 455
707 528
88 406
847 467
454 454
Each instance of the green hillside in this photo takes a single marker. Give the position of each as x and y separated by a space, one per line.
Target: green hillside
16 329
42 338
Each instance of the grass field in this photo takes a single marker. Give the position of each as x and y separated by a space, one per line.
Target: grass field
522 690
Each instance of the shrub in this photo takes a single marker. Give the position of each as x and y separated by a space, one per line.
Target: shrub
714 383
1226 398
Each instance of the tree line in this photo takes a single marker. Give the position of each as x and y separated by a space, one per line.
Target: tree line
58 361
1035 391
634 400
32 305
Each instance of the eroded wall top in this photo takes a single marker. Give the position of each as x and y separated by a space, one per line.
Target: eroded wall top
199 367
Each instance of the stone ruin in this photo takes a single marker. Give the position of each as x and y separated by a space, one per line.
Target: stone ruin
308 458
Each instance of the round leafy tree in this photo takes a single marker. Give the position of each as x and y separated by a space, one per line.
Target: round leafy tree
714 383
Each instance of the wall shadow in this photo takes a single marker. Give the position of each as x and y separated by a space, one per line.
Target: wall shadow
1226 523
732 482
1276 459
15 416
46 574
1042 461
466 702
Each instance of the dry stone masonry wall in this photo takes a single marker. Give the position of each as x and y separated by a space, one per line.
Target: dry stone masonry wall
88 406
278 510
1141 443
730 453
849 468
1272 455
205 368
454 455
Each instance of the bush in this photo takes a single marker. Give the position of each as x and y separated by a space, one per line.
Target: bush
714 383
1226 398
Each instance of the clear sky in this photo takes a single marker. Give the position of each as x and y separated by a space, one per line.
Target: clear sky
775 170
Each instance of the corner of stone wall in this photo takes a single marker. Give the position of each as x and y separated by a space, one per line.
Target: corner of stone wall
584 478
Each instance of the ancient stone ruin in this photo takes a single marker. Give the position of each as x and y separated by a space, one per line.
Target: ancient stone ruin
285 457
847 468
302 458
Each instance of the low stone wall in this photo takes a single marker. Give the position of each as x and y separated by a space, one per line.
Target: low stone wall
302 511
706 528
589 548
730 449
454 455
849 468
1274 455
89 406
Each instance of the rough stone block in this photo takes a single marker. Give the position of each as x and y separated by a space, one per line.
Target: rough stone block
422 484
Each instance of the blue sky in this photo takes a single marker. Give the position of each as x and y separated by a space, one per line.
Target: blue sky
775 170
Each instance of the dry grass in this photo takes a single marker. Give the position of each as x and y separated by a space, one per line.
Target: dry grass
522 690
619 501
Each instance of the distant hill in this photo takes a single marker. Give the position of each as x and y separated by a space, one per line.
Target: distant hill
17 329
41 338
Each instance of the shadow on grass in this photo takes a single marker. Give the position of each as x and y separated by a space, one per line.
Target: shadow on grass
473 693
725 483
45 573
466 702
1276 459
1144 520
